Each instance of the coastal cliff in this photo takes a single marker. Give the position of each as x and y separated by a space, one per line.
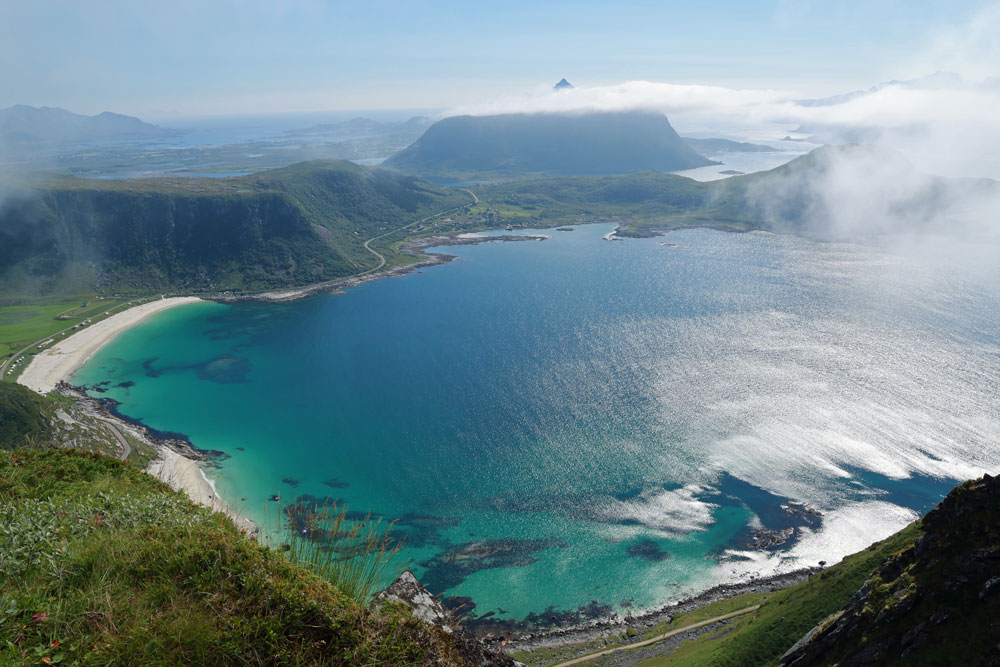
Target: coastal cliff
294 226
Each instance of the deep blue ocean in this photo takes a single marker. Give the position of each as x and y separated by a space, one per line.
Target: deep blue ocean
581 425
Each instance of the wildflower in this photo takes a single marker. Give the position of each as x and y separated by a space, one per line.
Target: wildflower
55 644
38 618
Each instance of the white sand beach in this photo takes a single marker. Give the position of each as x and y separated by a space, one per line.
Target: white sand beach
181 473
60 361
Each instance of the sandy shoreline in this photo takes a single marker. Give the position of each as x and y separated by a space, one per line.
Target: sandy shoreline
181 473
59 362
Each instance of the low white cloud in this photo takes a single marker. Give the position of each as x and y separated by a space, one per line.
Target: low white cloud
971 47
953 123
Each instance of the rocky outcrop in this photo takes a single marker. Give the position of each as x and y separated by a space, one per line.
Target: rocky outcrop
935 603
407 590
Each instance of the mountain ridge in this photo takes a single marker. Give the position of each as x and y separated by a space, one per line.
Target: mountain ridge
550 143
25 125
293 226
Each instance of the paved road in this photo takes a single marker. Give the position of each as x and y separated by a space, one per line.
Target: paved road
381 258
10 359
658 638
121 439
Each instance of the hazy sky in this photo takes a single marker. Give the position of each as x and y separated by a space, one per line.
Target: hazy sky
205 57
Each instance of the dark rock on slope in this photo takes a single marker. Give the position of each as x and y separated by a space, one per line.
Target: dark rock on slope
936 603
407 589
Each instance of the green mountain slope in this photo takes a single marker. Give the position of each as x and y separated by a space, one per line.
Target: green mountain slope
518 144
308 223
293 226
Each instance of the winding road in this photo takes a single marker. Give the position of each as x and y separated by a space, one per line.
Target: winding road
381 257
658 638
121 439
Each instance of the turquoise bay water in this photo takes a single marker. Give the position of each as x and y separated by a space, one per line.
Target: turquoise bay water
584 426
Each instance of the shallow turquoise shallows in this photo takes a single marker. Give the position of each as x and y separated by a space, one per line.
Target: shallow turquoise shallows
577 425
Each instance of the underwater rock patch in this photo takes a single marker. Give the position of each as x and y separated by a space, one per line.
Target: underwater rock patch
647 549
226 369
450 568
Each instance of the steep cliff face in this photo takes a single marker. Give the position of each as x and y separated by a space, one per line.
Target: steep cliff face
297 225
159 241
936 603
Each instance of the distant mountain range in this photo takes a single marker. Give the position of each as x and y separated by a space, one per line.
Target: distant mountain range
25 125
512 145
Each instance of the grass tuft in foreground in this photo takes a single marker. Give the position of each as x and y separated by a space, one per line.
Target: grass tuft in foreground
354 555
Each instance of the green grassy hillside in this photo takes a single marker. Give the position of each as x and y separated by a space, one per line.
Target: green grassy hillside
804 196
23 417
308 223
761 637
100 564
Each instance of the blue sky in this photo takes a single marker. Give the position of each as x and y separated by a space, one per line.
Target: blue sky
185 58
